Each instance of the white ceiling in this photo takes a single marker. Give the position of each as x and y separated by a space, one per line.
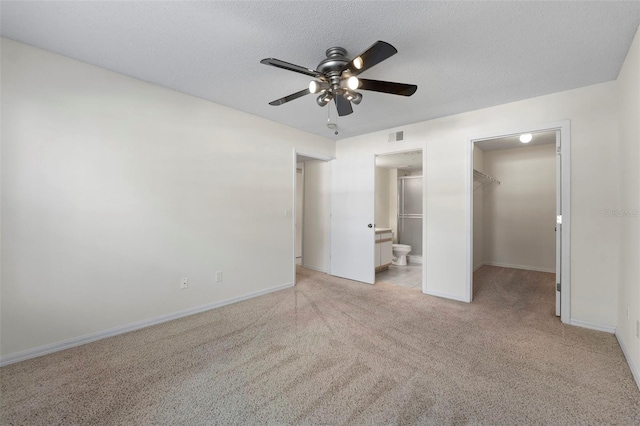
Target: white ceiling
462 55
403 160
509 142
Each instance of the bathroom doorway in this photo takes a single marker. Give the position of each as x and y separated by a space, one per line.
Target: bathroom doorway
399 219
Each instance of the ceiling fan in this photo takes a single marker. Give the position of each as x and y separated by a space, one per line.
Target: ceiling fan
336 77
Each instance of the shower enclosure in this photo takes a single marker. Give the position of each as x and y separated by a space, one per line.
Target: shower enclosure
410 213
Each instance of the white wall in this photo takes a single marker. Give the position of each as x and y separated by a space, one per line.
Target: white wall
594 246
113 189
317 215
383 202
629 288
478 211
520 213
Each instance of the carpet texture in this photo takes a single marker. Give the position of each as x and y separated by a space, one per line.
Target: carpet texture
332 351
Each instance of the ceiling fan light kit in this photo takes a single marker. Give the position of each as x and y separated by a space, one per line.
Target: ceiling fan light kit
324 99
316 86
353 97
336 77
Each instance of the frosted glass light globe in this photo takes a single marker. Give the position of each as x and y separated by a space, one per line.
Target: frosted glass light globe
526 138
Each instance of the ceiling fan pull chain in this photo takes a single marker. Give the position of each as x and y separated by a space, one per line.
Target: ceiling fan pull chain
330 125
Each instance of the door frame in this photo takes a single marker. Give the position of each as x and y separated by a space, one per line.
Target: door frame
294 215
423 148
564 127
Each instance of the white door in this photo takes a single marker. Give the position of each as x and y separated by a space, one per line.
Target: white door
352 216
558 223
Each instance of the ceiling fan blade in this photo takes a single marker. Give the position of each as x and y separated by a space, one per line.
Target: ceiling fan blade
388 87
378 52
290 97
343 106
291 67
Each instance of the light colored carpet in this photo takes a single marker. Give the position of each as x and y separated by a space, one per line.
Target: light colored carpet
331 351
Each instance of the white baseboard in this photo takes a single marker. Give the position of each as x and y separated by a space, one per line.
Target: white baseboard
627 355
92 337
525 267
446 295
315 268
591 326
475 268
416 260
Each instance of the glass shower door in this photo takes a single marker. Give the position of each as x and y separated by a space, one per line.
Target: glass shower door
410 213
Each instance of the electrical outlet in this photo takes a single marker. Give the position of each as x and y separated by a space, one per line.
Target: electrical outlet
184 283
219 276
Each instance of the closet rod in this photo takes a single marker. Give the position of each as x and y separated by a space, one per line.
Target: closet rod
483 178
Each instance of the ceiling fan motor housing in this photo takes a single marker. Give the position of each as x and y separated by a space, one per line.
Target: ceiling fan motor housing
335 61
332 67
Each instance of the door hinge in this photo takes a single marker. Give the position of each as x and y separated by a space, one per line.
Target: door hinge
559 219
557 286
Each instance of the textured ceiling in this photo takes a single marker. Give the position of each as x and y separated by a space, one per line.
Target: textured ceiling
462 55
401 160
509 142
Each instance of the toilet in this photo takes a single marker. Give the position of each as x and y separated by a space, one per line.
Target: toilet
400 252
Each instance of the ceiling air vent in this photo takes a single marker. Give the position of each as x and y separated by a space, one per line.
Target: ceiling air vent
396 136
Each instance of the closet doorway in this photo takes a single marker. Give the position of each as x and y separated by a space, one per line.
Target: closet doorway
519 218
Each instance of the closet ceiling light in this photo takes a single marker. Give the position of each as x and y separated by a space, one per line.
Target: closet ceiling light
526 138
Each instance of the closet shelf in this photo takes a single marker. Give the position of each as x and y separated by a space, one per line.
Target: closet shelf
483 179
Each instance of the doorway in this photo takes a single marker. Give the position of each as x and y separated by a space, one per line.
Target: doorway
311 215
399 218
519 211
